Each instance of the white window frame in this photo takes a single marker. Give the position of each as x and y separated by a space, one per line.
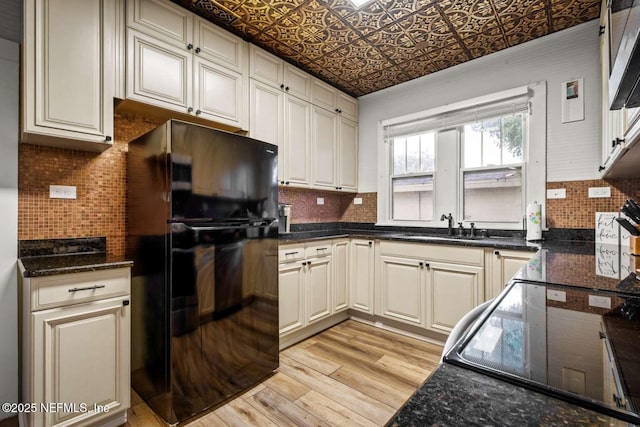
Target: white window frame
446 185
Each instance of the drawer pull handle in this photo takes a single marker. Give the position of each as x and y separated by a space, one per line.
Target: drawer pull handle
291 253
88 288
321 249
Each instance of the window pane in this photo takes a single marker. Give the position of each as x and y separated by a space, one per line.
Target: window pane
512 139
399 156
413 198
413 154
494 142
494 195
428 152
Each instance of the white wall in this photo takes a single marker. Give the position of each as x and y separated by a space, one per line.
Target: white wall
9 65
573 149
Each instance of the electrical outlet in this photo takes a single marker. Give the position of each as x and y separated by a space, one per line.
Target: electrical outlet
555 295
320 201
556 193
62 192
357 200
597 192
599 301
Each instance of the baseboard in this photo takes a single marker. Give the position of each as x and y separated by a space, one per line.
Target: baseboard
399 328
315 328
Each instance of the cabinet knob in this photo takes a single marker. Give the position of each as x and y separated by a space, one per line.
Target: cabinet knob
304 263
282 86
125 302
337 111
282 182
370 243
198 112
190 46
497 253
107 138
601 168
308 262
340 111
426 264
421 264
287 88
190 109
286 182
197 50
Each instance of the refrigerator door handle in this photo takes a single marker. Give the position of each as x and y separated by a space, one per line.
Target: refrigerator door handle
227 226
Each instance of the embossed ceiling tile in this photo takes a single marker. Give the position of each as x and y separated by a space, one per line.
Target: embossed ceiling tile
368 20
418 66
449 56
561 22
339 7
285 34
210 10
259 15
396 45
361 49
340 33
577 8
484 44
247 31
380 80
204 4
398 9
314 13
518 7
428 29
525 28
315 51
508 19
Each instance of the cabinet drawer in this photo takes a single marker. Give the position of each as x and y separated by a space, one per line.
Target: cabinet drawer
74 288
290 253
318 250
456 254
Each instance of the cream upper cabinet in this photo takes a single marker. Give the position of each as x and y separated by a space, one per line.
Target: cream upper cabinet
452 291
275 72
323 148
341 263
76 347
347 155
361 275
178 61
296 168
266 114
330 98
504 265
67 73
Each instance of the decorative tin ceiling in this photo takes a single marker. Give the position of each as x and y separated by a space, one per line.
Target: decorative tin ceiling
387 42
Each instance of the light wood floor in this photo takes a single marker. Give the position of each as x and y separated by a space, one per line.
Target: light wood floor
350 375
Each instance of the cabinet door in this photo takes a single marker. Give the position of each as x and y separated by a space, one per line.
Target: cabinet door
504 265
297 142
361 263
81 356
297 82
266 113
323 95
68 71
219 93
265 67
452 291
158 73
347 106
219 46
319 284
401 290
291 297
164 20
347 159
341 262
323 141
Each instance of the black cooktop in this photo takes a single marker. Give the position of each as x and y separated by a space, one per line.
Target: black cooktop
574 343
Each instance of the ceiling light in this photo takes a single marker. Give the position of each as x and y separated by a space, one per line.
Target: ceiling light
359 3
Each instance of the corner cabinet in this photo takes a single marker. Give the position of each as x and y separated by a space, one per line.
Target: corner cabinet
76 348
67 73
504 264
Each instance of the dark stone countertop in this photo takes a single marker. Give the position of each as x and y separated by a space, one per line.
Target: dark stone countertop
454 396
63 256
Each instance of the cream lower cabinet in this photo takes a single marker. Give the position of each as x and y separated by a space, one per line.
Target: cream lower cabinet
76 348
305 285
452 291
341 272
361 275
504 264
428 286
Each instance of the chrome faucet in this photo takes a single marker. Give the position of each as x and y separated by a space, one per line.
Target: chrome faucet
449 224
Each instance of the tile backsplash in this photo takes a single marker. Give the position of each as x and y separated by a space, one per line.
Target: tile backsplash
100 207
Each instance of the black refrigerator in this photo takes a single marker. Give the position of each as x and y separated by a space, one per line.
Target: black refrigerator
202 231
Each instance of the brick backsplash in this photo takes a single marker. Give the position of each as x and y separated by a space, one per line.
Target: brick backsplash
100 207
337 207
100 180
577 210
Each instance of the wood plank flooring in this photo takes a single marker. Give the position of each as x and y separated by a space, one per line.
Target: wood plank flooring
350 375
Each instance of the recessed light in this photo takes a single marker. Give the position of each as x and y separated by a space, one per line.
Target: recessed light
359 3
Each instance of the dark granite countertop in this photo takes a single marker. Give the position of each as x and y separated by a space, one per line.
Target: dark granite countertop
454 396
63 256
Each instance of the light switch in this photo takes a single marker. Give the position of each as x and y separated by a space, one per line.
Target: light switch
597 192
556 193
320 201
357 200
